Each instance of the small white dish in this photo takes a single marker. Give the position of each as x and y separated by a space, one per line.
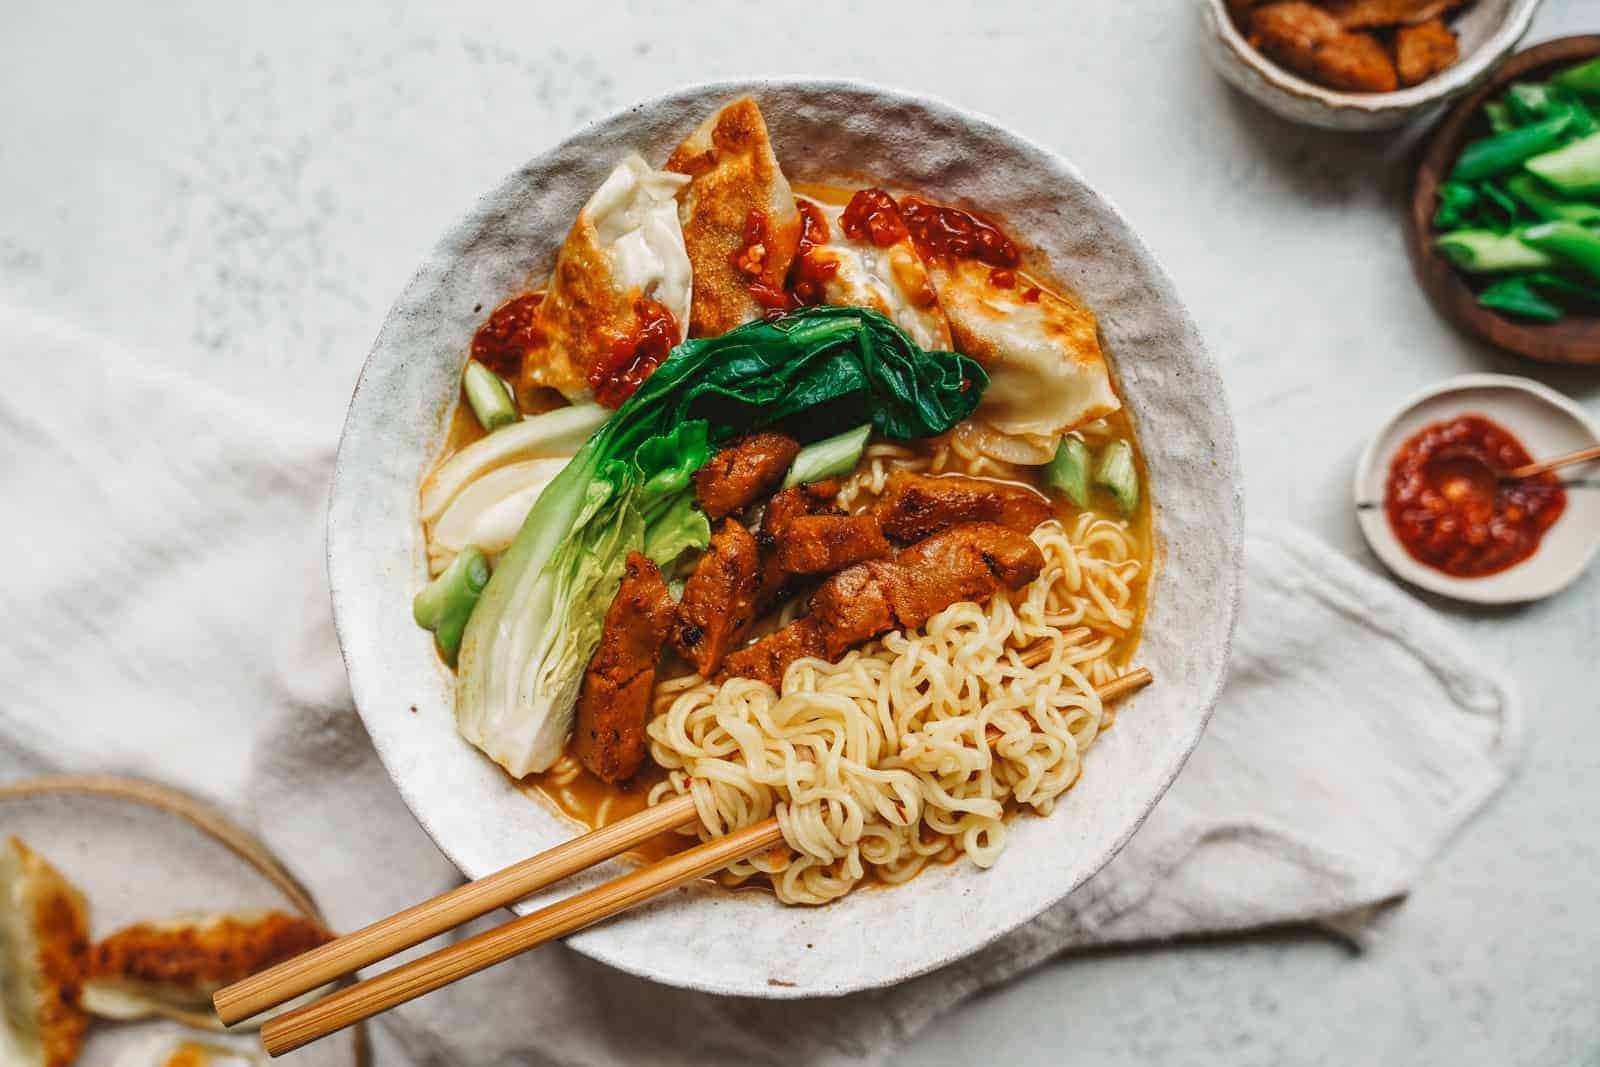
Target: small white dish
1547 424
1488 31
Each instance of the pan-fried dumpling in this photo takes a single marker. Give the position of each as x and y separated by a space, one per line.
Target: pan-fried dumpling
174 1050
740 222
622 265
1047 374
862 256
172 968
44 939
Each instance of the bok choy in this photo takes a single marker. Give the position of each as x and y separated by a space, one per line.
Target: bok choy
446 604
814 373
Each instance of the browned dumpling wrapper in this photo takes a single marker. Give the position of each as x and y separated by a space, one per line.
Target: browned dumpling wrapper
166 1049
625 248
740 222
44 941
1047 372
173 967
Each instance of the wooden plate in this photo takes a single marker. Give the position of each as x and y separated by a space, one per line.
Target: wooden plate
1576 338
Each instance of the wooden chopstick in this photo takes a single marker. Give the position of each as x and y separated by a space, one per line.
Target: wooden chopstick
297 1028
1040 650
418 923
1528 470
1123 684
349 1006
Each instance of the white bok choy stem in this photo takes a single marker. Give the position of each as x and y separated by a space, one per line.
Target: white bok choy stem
511 639
488 513
558 433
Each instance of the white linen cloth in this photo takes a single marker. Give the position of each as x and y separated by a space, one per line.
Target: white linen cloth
168 617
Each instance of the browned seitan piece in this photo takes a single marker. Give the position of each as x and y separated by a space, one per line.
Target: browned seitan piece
1373 14
614 703
822 544
1310 42
914 506
1424 50
972 562
743 473
719 599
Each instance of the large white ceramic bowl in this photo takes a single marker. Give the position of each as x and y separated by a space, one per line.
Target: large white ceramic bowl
747 943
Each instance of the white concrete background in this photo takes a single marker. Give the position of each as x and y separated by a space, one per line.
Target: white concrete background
243 191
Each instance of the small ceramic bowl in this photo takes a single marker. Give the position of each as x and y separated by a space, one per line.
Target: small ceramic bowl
1547 424
1488 29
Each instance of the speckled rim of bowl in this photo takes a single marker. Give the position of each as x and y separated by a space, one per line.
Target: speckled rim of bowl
1559 562
745 943
1458 79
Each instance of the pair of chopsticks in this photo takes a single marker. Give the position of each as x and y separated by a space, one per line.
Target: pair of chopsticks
344 955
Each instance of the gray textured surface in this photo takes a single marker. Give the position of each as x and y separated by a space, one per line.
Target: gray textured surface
246 195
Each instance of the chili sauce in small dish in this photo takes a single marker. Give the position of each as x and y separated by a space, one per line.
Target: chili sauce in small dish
1450 512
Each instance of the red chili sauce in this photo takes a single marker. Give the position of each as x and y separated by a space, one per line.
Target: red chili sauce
1453 514
949 231
808 274
750 259
872 215
501 341
636 355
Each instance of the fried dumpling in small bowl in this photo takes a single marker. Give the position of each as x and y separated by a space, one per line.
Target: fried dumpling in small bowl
167 1049
862 255
740 222
1047 374
623 261
172 968
44 942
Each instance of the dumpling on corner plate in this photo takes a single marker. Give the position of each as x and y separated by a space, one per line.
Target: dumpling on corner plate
861 255
740 222
172 968
44 942
1047 373
166 1049
622 266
